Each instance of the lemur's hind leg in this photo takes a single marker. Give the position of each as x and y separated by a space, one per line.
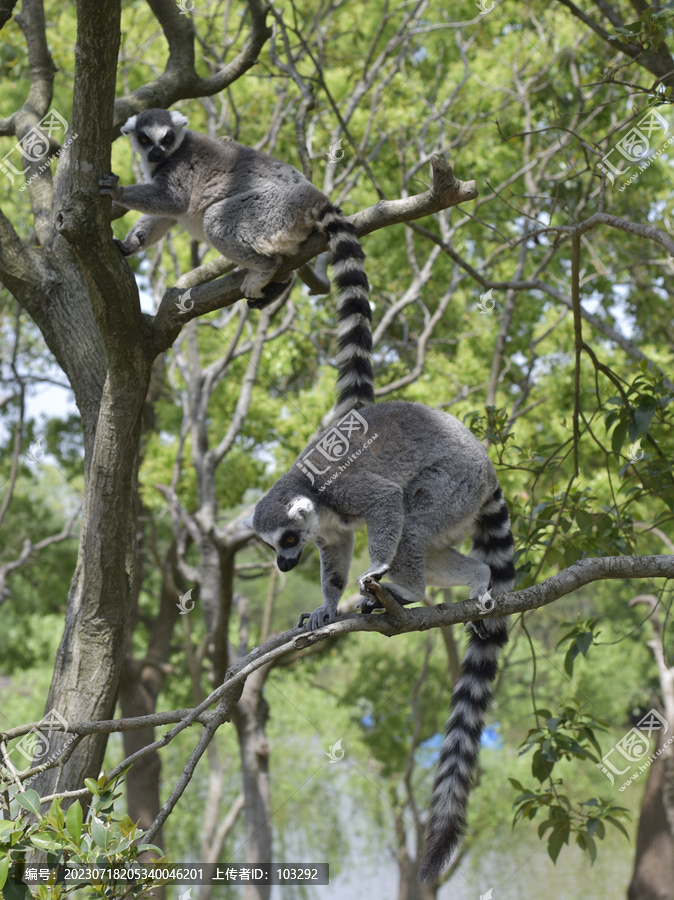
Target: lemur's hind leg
232 227
446 567
147 231
449 568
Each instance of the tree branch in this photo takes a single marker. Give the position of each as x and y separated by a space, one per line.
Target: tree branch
446 191
658 62
6 10
585 571
180 80
29 549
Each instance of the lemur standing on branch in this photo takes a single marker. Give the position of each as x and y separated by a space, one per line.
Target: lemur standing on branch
420 482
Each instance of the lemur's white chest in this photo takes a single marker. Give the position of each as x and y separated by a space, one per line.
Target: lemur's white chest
332 525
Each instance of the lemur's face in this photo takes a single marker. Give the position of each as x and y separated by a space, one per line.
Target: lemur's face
155 134
286 528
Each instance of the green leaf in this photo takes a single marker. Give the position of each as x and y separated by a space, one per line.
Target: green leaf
55 815
642 417
16 890
44 843
540 767
143 847
127 826
571 654
618 825
592 825
584 519
558 838
4 869
618 436
74 822
100 834
517 785
584 642
30 800
543 827
92 785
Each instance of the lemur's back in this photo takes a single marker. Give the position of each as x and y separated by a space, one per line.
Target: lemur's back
397 440
222 169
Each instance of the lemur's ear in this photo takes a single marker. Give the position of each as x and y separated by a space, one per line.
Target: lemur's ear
300 509
178 119
129 126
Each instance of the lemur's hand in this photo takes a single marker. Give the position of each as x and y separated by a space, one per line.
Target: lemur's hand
109 184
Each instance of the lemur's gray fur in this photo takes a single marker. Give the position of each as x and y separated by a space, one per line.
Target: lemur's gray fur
254 210
420 482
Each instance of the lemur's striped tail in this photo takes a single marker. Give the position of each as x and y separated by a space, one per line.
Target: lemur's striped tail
355 380
493 544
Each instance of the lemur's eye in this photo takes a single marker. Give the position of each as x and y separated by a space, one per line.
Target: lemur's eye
144 139
168 139
289 540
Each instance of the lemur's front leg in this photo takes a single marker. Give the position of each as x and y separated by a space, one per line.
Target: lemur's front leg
148 229
335 561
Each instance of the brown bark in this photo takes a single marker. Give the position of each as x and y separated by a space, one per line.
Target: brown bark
250 718
653 876
91 653
141 683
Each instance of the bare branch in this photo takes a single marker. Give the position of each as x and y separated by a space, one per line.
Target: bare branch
659 62
537 285
180 80
29 549
247 385
223 714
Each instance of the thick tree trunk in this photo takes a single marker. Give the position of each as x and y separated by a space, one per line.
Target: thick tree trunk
141 683
91 655
90 658
250 718
653 877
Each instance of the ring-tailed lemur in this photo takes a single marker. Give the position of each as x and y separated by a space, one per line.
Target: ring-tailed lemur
251 207
420 482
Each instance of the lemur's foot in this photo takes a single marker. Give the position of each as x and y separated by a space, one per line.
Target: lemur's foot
486 603
270 292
